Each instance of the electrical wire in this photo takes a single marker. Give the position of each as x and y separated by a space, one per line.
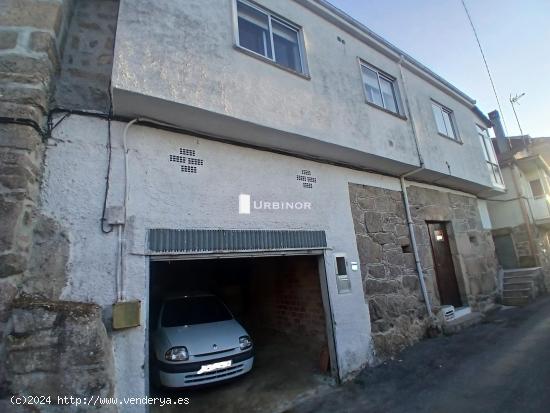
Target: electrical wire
108 173
485 62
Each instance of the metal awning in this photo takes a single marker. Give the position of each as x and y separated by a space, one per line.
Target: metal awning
204 241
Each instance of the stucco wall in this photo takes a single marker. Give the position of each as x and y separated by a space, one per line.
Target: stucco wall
160 195
196 64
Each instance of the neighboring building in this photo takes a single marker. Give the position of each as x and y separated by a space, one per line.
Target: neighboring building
330 166
521 217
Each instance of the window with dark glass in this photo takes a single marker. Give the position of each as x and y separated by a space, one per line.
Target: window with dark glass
444 121
490 157
536 188
269 36
380 89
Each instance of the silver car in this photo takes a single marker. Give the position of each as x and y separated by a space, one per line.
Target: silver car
198 341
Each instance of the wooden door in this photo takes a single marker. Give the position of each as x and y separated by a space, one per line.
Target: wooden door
444 267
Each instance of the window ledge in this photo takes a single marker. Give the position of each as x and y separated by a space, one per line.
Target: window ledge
397 115
271 62
451 139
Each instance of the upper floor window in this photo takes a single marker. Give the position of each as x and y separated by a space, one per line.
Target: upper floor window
380 88
445 121
537 188
490 157
269 36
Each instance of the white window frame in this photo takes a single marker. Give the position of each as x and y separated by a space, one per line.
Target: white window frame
392 80
450 113
488 150
281 20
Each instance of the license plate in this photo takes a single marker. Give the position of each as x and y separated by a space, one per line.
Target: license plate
207 368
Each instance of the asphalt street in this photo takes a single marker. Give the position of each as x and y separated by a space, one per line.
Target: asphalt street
501 365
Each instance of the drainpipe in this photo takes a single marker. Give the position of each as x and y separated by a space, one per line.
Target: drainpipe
121 270
524 211
406 196
413 240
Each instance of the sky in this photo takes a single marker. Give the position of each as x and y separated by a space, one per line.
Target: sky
514 34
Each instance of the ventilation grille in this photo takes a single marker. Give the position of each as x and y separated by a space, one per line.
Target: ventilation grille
187 156
219 240
306 179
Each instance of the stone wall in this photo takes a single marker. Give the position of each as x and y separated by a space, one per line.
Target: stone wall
37 334
392 289
398 313
88 56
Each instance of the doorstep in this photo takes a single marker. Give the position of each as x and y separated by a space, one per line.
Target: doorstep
464 318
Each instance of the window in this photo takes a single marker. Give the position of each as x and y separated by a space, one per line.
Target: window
269 36
536 188
444 120
490 157
380 89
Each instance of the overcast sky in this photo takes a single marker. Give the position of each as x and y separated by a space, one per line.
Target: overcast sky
515 35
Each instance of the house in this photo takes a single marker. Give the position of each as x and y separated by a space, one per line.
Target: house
330 187
521 217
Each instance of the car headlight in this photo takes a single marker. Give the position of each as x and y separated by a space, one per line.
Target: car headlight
245 342
177 354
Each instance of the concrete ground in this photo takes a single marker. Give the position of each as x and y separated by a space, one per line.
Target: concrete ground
285 371
501 365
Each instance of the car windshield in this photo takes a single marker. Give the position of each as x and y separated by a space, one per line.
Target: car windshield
194 310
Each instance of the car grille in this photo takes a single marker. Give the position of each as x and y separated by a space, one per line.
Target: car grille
214 352
230 371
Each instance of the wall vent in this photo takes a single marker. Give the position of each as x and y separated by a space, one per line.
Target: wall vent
306 179
187 156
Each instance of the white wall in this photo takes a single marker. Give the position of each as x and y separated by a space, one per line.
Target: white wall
160 196
194 63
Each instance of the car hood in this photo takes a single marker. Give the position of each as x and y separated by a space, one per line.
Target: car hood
205 338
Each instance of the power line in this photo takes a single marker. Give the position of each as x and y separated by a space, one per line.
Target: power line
486 64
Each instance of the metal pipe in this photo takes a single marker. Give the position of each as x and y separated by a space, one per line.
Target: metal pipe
413 242
122 233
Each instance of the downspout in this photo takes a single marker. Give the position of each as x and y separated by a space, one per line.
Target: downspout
410 223
121 272
524 212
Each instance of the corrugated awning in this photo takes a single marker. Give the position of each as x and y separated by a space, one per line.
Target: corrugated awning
186 241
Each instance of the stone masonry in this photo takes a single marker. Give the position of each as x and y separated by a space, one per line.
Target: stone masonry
34 249
398 313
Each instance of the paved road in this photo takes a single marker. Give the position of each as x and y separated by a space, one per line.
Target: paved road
502 365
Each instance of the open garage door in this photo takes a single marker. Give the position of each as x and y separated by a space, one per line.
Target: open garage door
278 301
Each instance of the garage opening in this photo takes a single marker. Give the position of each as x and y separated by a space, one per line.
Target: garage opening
279 303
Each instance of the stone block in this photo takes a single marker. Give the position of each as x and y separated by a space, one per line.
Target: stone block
373 221
35 340
411 283
43 360
374 287
8 39
384 238
26 321
11 214
12 264
377 271
44 42
39 14
25 69
8 291
367 204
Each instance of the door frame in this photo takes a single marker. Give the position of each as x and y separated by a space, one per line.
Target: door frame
458 274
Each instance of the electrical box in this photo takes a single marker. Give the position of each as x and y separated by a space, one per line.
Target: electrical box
114 215
126 314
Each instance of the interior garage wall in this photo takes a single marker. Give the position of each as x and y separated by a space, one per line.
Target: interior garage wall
288 296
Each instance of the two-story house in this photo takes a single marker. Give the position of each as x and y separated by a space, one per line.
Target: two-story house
328 186
521 217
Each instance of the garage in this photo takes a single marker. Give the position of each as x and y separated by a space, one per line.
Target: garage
279 299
